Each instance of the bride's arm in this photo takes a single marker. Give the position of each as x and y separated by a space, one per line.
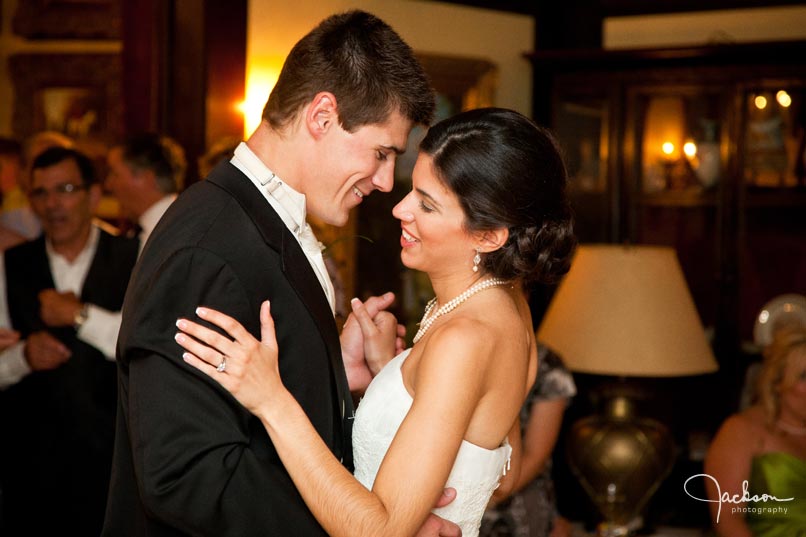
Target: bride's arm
449 385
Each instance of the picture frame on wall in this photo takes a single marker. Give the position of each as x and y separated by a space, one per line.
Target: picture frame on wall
76 94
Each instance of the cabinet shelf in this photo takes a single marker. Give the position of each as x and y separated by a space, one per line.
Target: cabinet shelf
774 198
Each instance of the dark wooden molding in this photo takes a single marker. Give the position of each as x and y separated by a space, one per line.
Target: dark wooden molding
615 8
225 35
719 54
68 19
145 30
184 70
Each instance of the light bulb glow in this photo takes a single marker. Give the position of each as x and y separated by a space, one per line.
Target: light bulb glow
783 99
690 149
667 148
760 101
261 76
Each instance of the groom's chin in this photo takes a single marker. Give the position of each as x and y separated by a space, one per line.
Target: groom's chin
336 218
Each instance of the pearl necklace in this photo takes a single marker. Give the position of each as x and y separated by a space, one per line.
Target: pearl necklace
427 321
791 429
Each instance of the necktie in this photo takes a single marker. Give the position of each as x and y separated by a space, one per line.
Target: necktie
313 250
310 245
290 206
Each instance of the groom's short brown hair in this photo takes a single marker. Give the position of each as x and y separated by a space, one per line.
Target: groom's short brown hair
364 63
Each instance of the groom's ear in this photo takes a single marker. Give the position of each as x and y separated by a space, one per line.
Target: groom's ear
322 114
492 239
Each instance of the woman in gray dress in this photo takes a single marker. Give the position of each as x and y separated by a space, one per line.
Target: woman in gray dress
531 509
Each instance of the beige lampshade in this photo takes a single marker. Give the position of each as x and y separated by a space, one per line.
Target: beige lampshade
627 311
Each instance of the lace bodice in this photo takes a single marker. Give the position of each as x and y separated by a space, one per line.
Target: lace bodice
476 471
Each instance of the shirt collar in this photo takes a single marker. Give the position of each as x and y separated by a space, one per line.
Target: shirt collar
270 185
151 216
88 251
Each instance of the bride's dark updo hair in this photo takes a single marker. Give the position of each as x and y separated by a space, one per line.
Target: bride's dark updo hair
508 173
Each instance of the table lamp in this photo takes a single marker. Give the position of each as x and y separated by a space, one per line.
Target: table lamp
624 311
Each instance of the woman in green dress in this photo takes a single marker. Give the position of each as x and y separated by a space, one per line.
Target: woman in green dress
757 462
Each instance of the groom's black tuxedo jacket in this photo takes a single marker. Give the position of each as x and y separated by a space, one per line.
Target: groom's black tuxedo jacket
190 460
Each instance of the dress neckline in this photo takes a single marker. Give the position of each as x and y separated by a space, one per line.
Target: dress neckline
779 454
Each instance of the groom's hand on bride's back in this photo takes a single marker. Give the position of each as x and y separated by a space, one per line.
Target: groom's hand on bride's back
435 526
370 338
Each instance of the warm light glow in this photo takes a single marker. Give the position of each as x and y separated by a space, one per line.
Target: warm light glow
690 149
261 77
664 124
760 101
783 99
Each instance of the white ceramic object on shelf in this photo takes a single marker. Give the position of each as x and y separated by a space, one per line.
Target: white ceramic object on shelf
781 311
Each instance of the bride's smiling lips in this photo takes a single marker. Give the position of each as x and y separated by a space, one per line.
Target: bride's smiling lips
407 239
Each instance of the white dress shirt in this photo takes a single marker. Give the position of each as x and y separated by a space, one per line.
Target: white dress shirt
99 330
290 206
149 219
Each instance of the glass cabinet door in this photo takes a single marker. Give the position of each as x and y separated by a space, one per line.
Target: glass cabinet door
581 127
772 218
675 178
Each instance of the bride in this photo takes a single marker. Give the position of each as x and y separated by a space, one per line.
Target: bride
487 216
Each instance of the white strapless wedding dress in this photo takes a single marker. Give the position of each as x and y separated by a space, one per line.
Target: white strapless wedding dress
476 471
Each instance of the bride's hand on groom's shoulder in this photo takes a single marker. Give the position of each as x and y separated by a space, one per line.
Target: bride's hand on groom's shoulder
246 367
370 338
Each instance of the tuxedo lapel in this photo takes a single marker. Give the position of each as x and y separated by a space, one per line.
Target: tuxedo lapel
297 270
296 266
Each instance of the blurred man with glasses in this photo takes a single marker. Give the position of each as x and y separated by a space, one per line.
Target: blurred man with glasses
57 404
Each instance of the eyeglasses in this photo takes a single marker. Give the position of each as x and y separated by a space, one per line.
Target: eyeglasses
64 190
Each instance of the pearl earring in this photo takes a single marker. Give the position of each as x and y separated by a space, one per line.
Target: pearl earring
476 261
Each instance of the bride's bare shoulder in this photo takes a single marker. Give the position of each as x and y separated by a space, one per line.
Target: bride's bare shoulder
463 332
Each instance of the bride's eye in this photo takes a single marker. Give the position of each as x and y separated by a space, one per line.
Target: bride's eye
425 208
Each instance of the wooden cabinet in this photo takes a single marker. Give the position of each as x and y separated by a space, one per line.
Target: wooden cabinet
734 206
702 149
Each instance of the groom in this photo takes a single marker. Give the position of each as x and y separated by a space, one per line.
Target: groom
189 460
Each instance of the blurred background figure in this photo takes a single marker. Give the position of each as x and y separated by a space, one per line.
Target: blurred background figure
17 214
145 174
57 405
764 447
10 169
222 150
531 508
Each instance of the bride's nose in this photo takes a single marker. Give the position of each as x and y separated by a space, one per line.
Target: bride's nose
402 212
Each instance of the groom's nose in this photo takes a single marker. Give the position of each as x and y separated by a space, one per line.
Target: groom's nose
384 178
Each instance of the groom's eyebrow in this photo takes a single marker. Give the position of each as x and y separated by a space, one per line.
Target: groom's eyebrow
425 194
394 148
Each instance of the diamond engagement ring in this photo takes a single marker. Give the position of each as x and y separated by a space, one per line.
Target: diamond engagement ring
222 367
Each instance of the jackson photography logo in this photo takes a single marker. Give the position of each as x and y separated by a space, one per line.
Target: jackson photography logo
738 501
